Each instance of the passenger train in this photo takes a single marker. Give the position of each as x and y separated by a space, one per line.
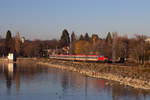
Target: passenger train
94 58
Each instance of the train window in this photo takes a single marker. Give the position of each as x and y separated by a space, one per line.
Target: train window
101 56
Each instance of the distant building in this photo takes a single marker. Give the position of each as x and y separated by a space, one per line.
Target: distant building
22 40
11 57
66 50
148 40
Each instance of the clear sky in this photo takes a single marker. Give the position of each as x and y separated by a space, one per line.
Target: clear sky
45 19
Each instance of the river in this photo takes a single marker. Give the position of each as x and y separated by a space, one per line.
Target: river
30 81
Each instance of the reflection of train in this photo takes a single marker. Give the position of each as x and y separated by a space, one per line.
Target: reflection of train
81 57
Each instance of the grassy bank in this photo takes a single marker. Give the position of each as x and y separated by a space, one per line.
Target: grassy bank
137 77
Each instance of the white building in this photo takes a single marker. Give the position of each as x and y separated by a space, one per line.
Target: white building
22 40
11 57
148 40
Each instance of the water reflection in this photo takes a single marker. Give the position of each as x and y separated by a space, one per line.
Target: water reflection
10 75
11 67
26 80
129 94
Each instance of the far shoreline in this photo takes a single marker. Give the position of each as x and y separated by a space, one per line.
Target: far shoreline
20 59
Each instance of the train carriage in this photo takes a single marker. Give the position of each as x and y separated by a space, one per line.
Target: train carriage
94 58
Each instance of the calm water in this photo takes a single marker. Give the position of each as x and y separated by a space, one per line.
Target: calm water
34 82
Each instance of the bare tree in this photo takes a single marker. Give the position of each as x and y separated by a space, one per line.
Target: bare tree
114 46
122 47
17 44
139 48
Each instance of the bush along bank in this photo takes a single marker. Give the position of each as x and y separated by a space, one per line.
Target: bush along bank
133 76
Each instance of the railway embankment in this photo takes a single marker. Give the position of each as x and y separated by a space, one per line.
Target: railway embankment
134 76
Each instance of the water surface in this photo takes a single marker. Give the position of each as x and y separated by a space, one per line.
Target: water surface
30 81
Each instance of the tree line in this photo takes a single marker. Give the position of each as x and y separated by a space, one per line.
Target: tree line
113 46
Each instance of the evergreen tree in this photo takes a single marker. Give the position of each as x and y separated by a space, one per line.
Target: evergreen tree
65 39
8 35
73 38
109 38
81 37
8 42
87 38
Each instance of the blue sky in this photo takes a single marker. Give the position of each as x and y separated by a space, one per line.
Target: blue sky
45 19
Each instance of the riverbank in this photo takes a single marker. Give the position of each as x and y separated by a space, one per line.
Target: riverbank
133 76
6 60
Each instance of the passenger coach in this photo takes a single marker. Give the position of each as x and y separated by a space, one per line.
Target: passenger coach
95 58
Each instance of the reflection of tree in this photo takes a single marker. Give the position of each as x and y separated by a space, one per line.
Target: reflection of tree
8 80
86 85
119 92
17 78
9 75
65 82
25 70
